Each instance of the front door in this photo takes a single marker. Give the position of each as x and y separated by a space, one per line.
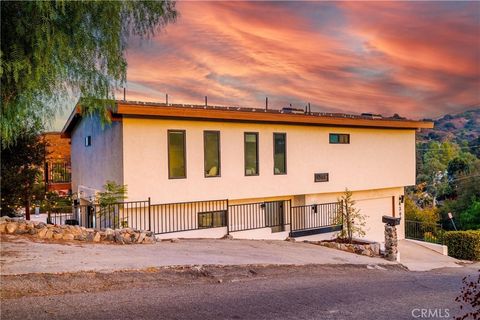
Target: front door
274 215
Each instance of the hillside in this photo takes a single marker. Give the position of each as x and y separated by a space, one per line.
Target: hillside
457 128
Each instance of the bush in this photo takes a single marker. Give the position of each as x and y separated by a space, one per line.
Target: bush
463 244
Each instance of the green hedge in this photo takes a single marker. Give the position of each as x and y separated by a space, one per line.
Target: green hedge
463 244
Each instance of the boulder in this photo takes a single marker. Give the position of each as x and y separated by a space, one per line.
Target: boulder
11 227
49 234
141 237
68 236
3 227
57 236
96 237
42 232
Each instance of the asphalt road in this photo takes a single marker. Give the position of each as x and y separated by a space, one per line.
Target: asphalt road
294 292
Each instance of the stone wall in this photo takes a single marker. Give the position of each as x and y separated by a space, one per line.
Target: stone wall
366 249
45 231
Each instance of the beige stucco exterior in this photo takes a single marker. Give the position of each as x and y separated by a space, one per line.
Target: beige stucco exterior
374 159
376 165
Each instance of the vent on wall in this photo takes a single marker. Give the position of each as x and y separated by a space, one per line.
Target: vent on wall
321 177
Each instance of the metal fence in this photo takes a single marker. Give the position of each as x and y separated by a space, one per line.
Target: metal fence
58 172
316 218
186 216
421 231
195 215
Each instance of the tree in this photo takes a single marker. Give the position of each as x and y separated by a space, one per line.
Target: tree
109 204
52 50
351 218
20 169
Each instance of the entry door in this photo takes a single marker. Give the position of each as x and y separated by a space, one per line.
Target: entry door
274 215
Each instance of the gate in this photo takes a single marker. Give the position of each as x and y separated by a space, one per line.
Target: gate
316 218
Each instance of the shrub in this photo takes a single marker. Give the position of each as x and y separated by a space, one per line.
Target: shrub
463 244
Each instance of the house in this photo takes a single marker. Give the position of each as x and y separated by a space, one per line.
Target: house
255 173
56 167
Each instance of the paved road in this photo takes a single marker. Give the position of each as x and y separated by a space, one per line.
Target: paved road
294 292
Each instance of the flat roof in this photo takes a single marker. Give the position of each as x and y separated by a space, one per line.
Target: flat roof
242 114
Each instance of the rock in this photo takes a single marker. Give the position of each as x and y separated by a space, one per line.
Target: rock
290 239
40 225
21 228
57 236
141 237
90 236
149 240
68 236
3 227
174 240
42 232
227 237
30 226
96 238
366 253
33 231
118 237
49 234
11 227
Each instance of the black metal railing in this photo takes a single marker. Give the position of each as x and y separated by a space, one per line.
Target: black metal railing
195 215
309 218
186 216
58 172
422 231
257 215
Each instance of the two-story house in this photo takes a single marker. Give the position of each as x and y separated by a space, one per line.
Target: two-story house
183 153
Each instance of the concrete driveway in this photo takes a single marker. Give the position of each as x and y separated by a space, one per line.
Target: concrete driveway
419 258
20 255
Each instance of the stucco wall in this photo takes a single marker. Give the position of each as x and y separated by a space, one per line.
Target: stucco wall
93 166
374 159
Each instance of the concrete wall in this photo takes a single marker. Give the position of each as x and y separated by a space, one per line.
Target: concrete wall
374 159
103 160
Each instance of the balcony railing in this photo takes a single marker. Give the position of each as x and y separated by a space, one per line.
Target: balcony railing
57 172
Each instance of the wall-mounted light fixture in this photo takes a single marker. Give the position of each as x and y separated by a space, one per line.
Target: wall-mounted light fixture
314 208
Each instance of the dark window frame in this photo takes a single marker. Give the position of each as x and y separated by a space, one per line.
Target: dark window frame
218 155
222 213
88 141
245 154
284 134
338 136
184 151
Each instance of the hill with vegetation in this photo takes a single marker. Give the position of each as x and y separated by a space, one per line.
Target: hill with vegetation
448 172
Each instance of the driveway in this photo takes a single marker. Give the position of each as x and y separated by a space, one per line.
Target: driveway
20 255
419 258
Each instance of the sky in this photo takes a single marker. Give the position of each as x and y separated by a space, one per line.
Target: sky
417 59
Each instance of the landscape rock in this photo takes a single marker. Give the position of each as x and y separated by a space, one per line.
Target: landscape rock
11 227
96 238
68 236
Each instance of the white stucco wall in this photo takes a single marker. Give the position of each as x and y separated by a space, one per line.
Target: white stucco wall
93 166
374 159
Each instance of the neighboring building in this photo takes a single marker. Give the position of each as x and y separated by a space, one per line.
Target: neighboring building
182 153
56 168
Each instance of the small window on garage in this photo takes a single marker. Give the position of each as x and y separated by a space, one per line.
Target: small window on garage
88 141
212 219
339 138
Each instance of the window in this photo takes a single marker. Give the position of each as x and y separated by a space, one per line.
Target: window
211 152
88 141
339 138
279 153
212 219
251 153
176 154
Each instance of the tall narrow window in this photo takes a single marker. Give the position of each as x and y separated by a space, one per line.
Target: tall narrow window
251 153
279 153
211 152
176 154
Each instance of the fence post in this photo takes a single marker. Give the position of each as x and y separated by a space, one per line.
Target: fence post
291 221
227 220
149 216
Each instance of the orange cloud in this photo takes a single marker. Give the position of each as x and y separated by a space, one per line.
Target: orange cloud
416 59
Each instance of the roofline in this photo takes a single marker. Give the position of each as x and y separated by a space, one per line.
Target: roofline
211 113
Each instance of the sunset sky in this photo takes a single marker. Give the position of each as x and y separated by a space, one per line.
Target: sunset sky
418 59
